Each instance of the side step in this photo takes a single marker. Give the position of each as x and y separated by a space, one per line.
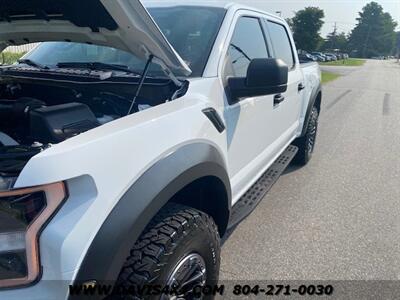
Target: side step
256 193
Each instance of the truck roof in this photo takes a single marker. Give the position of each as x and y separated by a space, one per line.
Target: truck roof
160 3
228 5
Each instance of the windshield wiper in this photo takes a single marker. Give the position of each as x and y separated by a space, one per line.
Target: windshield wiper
97 66
32 63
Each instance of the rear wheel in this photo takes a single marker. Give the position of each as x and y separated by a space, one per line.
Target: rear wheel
306 143
179 248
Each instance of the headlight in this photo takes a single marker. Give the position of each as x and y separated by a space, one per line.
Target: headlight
23 214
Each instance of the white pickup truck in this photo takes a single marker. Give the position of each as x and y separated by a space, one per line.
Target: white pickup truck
132 138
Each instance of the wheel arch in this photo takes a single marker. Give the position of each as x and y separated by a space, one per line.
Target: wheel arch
188 169
315 100
207 194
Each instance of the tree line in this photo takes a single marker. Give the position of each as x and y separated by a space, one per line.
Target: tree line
374 34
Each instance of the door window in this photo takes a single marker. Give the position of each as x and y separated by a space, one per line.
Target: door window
247 43
281 43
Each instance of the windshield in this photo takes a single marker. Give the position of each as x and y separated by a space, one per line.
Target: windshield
191 31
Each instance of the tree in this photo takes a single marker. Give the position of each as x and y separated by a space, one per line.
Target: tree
342 42
306 26
336 41
290 23
374 34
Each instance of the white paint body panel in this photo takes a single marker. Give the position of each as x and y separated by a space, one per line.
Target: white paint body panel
100 165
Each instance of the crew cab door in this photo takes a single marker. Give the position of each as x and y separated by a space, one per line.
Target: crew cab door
251 123
258 128
283 48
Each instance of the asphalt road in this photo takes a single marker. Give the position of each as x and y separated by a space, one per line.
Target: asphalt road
339 217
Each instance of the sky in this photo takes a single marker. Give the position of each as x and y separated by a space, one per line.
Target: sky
343 12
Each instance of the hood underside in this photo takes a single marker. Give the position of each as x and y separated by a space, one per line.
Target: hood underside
121 24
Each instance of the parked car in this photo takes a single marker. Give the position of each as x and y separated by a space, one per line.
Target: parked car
128 148
307 57
320 57
331 57
339 56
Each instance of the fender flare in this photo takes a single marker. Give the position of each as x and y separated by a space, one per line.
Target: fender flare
313 99
112 243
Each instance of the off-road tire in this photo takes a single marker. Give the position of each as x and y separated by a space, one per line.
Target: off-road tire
173 234
306 143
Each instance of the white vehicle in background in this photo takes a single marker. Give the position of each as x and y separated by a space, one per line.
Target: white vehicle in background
128 148
331 57
320 57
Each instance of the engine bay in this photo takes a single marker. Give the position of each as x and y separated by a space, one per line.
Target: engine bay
36 113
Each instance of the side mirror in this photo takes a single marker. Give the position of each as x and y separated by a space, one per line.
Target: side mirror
265 76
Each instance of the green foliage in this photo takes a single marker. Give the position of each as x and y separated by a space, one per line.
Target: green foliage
336 41
327 77
396 48
8 58
306 26
290 23
351 62
374 34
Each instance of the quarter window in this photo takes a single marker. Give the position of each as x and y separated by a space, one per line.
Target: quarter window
281 43
247 43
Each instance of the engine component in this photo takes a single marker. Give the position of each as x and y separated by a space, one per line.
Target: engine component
14 158
15 111
6 182
105 119
24 106
14 117
6 140
54 124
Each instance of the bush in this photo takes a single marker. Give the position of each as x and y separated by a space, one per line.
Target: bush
8 58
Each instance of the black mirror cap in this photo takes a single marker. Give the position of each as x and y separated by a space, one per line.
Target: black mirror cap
265 76
263 72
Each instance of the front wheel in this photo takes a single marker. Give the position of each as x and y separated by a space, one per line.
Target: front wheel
179 248
306 143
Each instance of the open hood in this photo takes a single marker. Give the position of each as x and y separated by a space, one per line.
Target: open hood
121 24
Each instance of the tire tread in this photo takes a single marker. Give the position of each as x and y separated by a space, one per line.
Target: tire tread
302 158
158 240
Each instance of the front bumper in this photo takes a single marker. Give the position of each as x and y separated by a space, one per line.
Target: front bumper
43 290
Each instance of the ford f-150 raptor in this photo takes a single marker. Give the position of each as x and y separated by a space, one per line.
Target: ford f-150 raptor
132 138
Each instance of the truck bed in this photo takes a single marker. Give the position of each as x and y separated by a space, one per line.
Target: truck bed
312 75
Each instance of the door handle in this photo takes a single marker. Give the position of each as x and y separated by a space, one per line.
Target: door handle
300 87
278 99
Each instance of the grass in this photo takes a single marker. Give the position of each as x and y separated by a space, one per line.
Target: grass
8 58
327 77
351 62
